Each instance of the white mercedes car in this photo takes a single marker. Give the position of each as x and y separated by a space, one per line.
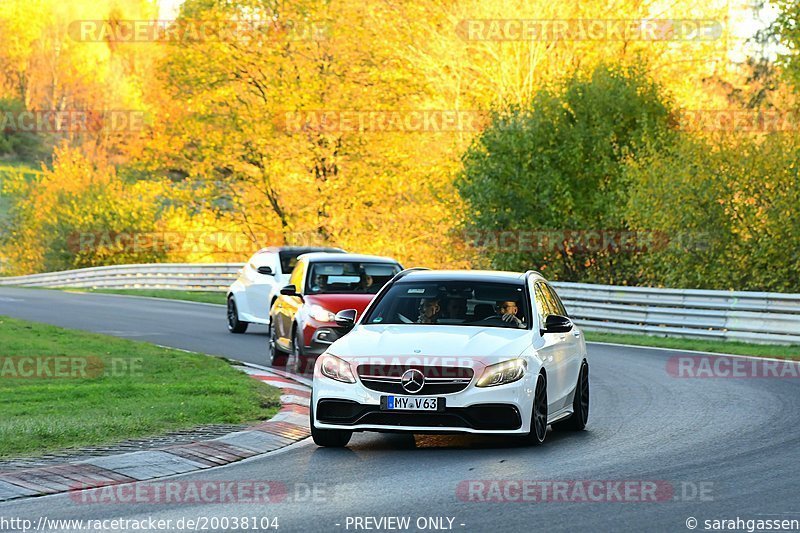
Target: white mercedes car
454 351
251 296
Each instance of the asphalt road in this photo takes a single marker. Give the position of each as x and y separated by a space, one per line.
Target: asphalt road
185 325
728 448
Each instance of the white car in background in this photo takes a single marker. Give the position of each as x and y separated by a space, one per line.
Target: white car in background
259 283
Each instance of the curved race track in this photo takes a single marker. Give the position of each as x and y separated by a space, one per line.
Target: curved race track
736 439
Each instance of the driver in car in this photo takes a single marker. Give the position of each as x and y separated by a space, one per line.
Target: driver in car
428 311
507 311
366 282
320 283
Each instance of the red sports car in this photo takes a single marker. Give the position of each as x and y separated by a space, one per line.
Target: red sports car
303 320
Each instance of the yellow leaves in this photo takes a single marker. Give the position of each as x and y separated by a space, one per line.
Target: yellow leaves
212 107
79 196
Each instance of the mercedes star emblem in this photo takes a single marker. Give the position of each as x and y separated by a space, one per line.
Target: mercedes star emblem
412 380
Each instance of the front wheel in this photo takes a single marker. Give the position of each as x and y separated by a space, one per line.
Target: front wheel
274 354
329 438
234 324
298 356
580 403
539 413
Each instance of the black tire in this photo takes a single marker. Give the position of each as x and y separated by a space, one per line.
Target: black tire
234 324
328 438
298 355
275 356
580 404
539 414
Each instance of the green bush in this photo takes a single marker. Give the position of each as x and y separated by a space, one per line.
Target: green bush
730 208
18 145
558 164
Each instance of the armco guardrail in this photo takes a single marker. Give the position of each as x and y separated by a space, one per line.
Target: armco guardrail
765 317
182 276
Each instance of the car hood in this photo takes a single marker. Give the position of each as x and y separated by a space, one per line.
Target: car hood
434 345
338 302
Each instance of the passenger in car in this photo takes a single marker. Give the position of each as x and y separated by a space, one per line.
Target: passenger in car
428 311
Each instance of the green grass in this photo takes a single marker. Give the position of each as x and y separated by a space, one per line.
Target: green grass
739 348
192 296
167 390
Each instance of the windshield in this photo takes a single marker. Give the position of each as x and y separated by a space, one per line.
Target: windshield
458 303
349 277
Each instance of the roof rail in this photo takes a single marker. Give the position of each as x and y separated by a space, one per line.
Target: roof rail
408 271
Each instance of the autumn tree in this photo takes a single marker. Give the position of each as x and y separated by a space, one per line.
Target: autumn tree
246 118
48 64
729 207
785 30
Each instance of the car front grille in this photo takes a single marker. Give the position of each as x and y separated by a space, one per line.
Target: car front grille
438 379
481 416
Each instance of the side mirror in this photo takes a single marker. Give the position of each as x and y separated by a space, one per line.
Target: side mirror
265 270
289 290
346 318
557 324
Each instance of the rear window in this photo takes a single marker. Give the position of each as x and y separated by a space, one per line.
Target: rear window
288 258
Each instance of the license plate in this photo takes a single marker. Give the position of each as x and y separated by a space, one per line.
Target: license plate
411 403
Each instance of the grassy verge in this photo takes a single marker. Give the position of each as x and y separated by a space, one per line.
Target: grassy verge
102 389
192 296
739 348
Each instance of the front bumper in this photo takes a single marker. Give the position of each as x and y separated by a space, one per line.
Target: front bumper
318 336
505 409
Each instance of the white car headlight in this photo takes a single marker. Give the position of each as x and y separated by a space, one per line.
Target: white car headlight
335 368
318 312
502 373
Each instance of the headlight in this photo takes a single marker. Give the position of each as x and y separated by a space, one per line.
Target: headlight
502 373
335 368
320 313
